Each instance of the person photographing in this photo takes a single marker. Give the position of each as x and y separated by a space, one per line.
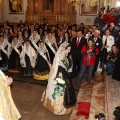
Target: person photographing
88 53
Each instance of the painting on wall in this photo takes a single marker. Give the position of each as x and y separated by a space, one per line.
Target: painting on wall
15 6
48 5
89 7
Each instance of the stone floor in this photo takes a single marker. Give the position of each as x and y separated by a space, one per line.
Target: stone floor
27 94
112 96
94 94
27 99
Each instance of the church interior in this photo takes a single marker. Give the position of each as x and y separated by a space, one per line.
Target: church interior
97 99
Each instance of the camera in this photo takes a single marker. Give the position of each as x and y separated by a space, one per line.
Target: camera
109 25
117 112
100 116
111 55
94 49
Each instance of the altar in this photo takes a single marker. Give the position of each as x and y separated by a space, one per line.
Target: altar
53 11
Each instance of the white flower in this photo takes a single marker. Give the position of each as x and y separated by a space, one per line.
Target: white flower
97 44
60 81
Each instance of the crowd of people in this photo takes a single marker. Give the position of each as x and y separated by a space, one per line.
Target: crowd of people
37 45
46 52
110 21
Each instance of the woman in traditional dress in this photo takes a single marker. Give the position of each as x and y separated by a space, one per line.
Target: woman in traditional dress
20 37
34 39
14 60
7 35
15 32
59 96
27 59
45 34
41 33
51 47
8 110
53 39
42 68
25 34
68 40
107 41
4 53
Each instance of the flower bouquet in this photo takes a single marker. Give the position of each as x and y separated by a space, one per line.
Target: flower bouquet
59 89
60 81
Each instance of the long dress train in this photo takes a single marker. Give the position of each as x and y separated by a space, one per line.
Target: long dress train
59 96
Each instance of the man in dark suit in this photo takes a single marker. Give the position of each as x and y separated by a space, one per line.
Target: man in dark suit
69 31
76 46
97 43
30 30
60 39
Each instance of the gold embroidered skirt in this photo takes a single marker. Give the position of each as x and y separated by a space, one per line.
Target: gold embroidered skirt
56 106
40 77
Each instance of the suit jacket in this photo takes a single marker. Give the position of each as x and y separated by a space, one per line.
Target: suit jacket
98 43
59 42
77 50
30 31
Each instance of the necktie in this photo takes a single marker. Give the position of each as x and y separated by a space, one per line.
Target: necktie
78 41
95 40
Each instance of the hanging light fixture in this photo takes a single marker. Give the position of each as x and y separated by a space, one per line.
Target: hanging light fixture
73 1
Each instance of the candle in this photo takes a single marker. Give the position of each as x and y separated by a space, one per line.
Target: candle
56 18
37 17
34 17
31 17
62 18
59 18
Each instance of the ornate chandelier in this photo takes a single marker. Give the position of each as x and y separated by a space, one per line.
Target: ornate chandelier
73 1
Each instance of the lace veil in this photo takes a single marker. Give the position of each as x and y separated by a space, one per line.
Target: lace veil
51 85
